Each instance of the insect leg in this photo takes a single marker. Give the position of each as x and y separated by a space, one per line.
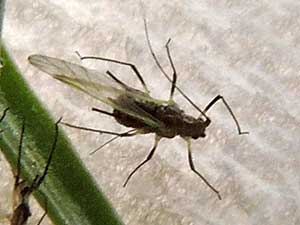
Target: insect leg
133 67
102 111
125 134
45 213
173 68
157 139
218 97
39 179
21 210
97 131
164 72
18 173
196 172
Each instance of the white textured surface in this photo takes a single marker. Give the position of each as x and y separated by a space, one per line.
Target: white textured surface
247 51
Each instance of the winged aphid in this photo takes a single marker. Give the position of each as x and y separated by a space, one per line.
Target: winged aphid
134 108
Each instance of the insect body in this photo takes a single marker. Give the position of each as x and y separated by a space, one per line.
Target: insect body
131 107
22 191
173 121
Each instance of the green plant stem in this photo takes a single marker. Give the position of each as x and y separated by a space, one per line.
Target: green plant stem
71 193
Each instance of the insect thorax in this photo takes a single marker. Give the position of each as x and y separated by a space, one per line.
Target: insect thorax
171 119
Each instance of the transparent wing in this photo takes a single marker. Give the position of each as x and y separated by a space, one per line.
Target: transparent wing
96 85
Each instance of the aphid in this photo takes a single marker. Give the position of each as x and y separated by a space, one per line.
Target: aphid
22 191
134 108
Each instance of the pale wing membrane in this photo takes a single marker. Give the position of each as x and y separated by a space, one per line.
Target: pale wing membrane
79 77
94 84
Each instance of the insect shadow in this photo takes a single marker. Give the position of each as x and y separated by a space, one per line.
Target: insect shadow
22 190
135 108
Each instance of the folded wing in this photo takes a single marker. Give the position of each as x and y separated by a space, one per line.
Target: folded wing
96 85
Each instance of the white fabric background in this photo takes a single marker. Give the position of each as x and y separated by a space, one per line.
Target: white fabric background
248 51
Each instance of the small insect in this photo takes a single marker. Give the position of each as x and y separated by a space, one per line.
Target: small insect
22 191
134 108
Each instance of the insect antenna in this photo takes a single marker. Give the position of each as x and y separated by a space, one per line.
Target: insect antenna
173 68
174 71
148 158
203 112
133 67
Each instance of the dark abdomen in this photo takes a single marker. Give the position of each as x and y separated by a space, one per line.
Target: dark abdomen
168 117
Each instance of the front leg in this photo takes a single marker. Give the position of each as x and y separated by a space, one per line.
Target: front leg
217 98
